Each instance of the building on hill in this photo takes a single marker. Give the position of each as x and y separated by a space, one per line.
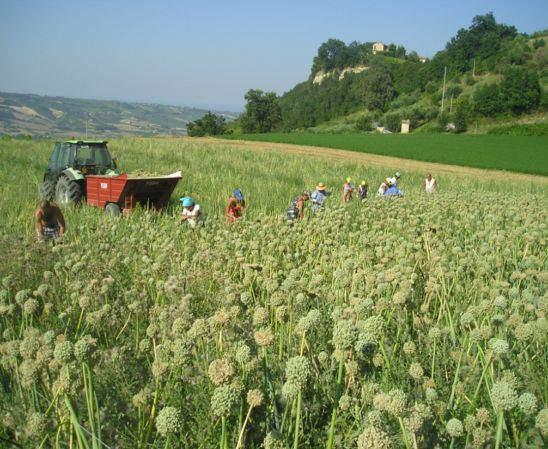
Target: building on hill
423 59
379 47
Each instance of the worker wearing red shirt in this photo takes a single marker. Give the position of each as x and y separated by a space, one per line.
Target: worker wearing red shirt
233 210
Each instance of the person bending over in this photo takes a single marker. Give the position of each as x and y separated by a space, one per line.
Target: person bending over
49 221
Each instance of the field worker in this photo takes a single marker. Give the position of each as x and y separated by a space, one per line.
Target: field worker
49 221
295 210
394 180
362 190
430 184
318 197
192 212
393 191
239 197
233 210
383 187
348 188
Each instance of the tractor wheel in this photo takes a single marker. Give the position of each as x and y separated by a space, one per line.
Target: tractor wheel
47 190
113 209
67 192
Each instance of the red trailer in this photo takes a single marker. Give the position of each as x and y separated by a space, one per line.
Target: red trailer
122 192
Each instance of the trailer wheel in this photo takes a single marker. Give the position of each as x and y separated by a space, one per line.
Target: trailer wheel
67 192
47 190
113 209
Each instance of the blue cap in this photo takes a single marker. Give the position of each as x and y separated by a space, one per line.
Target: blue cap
187 201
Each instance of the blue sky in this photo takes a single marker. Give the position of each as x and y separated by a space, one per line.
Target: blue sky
209 53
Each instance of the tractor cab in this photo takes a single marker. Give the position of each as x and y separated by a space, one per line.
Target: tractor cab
87 157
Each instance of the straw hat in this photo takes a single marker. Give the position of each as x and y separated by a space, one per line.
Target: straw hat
320 186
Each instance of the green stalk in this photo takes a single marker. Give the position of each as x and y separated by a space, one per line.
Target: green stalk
500 424
455 381
335 405
242 431
297 421
433 360
75 425
404 434
223 432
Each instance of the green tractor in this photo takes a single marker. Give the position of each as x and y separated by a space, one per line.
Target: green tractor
65 177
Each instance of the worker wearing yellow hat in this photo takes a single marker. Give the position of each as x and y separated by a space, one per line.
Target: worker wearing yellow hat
319 196
362 190
348 188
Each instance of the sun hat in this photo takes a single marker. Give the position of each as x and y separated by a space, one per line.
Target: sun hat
238 195
187 201
348 179
320 186
364 182
397 174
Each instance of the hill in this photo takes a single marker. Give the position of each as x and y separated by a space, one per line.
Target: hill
39 115
493 75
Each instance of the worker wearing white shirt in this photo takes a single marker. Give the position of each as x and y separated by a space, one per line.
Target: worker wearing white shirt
430 184
192 213
394 180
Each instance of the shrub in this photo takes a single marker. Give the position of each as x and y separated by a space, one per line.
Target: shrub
544 100
392 121
404 100
534 129
461 115
453 90
364 123
209 125
443 121
520 90
538 44
488 101
431 87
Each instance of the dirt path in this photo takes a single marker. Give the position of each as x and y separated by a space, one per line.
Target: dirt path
333 154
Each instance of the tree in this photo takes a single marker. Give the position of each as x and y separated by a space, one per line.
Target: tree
400 51
481 40
262 112
209 125
331 55
461 115
488 101
378 89
520 90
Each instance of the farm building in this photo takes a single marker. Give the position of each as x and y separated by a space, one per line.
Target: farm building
379 47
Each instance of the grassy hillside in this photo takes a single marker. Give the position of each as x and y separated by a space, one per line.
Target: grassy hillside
58 116
419 319
524 154
495 75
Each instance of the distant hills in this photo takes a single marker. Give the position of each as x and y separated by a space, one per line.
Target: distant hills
43 116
